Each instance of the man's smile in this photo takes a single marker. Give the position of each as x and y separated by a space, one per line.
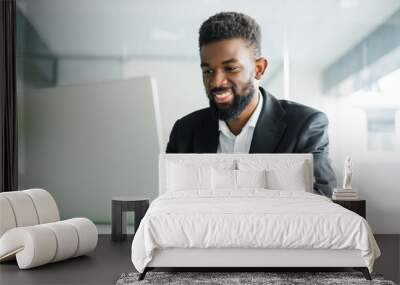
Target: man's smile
223 97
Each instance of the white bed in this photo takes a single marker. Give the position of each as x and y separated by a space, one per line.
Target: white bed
203 220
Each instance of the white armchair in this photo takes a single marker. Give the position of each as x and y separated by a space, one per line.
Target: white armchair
31 230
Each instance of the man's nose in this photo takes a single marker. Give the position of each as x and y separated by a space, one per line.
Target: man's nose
218 79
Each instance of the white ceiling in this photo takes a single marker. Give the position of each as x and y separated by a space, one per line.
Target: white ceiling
319 31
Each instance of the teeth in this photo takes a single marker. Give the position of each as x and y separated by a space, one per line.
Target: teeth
223 94
223 97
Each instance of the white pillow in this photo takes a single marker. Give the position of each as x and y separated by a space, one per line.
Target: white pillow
281 174
223 179
227 179
187 177
293 179
251 178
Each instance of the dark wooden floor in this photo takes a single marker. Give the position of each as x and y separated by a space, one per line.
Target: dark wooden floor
110 260
103 266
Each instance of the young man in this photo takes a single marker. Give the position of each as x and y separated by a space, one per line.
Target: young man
243 117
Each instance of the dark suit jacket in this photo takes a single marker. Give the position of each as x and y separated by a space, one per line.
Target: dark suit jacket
282 127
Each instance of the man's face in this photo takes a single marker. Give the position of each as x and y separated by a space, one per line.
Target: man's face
228 68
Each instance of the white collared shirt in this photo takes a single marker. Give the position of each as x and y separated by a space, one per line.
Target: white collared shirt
229 143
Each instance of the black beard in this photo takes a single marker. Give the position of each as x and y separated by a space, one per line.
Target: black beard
239 103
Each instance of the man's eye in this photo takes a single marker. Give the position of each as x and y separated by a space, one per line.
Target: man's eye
231 68
207 71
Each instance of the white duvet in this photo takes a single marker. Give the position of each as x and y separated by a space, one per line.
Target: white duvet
250 218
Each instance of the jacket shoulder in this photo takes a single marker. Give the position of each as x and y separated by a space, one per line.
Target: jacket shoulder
300 112
196 118
189 130
297 107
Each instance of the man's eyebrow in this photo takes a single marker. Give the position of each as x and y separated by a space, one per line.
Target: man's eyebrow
232 60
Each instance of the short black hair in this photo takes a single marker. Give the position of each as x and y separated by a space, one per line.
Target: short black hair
229 25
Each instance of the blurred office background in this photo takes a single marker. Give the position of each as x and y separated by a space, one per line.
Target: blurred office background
340 56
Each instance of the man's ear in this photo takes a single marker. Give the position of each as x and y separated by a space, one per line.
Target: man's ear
261 66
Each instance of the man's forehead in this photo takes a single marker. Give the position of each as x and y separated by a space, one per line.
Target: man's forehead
225 51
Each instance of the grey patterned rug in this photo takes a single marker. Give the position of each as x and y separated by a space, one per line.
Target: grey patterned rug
269 278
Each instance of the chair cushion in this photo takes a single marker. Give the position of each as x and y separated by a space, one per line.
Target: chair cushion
45 205
26 208
40 244
7 220
24 211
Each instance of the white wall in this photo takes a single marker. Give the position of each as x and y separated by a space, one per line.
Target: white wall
77 70
305 85
274 84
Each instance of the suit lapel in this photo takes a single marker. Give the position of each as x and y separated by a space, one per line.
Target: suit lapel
207 139
270 126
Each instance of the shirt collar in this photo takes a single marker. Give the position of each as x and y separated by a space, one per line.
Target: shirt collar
223 127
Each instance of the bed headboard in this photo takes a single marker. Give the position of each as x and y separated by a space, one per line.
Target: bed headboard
306 158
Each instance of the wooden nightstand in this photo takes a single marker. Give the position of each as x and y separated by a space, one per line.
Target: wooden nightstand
122 204
357 206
